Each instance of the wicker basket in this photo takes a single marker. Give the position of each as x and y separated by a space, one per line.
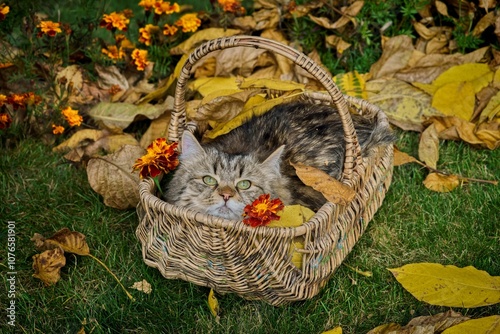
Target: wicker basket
255 263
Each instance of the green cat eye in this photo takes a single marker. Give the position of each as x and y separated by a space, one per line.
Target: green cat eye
243 184
209 180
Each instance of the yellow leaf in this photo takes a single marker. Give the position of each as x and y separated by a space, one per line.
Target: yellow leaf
351 83
484 325
206 86
449 285
201 36
441 183
272 84
223 105
292 216
492 109
455 99
213 303
401 158
478 74
70 241
336 330
47 266
333 190
428 147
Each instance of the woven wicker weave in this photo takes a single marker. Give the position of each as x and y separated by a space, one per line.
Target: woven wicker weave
255 263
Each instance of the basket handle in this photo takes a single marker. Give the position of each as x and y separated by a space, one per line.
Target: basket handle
178 117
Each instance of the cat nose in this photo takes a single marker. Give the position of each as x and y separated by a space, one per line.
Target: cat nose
226 193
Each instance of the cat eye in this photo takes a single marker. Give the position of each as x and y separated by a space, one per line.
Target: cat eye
208 180
243 184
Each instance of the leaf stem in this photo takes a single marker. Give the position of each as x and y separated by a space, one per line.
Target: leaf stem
468 179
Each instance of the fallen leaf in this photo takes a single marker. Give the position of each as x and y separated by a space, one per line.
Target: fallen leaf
118 116
336 330
70 241
351 83
333 190
449 285
143 286
213 303
492 109
348 14
484 325
385 329
47 265
79 138
110 76
111 177
428 146
266 18
239 60
157 129
484 23
401 158
455 99
396 54
292 216
206 86
72 79
201 36
441 183
442 8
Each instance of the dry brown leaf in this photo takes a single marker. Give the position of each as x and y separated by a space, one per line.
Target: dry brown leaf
245 23
348 14
487 4
402 158
78 139
428 147
111 177
266 18
157 129
439 322
397 53
441 183
223 105
202 36
205 68
47 265
285 65
333 190
237 61
70 241
110 76
484 23
442 8
72 79
143 286
385 329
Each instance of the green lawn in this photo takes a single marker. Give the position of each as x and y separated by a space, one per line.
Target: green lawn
43 193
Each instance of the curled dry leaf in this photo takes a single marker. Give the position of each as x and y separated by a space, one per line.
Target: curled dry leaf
47 265
111 177
401 158
333 190
223 105
143 286
428 146
441 183
157 129
213 303
69 241
202 36
397 53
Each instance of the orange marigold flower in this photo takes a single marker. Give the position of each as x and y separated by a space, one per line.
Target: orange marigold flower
114 21
147 4
5 121
3 99
72 116
32 99
113 52
189 22
57 129
169 30
17 101
232 6
146 32
4 10
50 28
160 157
114 89
140 58
166 8
262 211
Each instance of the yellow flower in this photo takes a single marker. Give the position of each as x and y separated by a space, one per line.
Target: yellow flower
140 58
5 121
160 157
113 52
3 99
232 6
145 33
50 28
169 30
57 129
4 10
189 22
114 21
165 7
147 4
72 116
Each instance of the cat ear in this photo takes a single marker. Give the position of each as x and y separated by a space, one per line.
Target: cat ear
191 148
274 160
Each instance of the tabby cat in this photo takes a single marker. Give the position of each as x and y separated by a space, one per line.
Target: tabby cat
222 176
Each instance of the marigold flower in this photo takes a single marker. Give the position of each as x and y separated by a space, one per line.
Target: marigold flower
169 30
262 211
72 116
232 6
166 8
16 100
113 52
123 42
147 4
160 157
50 28
57 129
114 21
146 32
4 10
140 58
189 22
114 89
3 99
31 98
5 121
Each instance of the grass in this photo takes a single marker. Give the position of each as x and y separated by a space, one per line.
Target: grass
42 193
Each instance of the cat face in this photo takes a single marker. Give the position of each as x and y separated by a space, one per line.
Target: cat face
218 183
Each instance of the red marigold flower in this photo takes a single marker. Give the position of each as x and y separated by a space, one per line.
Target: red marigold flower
189 22
160 157
262 211
146 32
50 28
140 58
4 10
232 6
16 100
72 116
169 30
57 129
113 52
5 121
31 98
114 21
